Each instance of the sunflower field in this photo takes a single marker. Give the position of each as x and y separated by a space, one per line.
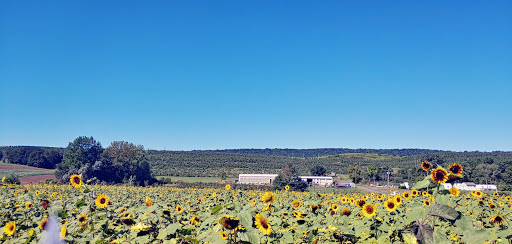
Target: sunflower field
82 213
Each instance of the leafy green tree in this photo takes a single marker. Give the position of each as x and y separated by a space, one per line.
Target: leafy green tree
372 172
289 177
82 151
53 157
354 173
37 159
318 170
123 161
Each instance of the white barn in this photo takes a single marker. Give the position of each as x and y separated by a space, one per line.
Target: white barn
470 186
256 179
317 180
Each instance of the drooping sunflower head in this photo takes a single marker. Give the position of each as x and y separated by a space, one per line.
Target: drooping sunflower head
101 201
223 235
439 175
296 204
262 224
76 180
498 219
313 208
43 224
426 165
268 197
179 209
44 203
9 228
166 212
345 211
369 210
456 169
390 205
127 221
454 192
229 222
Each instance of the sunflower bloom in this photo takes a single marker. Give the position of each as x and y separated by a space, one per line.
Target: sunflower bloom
426 203
497 219
296 204
426 165
287 187
268 197
335 207
455 169
345 211
390 205
454 192
227 187
10 228
195 220
76 180
262 224
63 231
101 201
149 202
43 224
360 203
82 219
229 222
369 210
439 175
224 235
179 209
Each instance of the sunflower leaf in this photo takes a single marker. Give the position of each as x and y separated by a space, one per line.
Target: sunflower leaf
443 211
216 209
424 233
422 184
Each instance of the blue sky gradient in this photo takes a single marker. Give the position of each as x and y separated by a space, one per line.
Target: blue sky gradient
183 75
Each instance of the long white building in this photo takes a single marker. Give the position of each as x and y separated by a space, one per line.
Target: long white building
256 179
317 180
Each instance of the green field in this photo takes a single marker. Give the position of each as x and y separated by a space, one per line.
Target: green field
195 179
24 172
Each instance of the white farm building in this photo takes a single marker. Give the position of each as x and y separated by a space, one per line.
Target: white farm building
317 180
256 179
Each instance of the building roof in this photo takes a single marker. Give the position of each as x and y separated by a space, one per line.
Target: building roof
262 175
316 177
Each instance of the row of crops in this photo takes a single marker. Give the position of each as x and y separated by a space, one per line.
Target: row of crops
81 213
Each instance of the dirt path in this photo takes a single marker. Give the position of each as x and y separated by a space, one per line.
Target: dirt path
373 189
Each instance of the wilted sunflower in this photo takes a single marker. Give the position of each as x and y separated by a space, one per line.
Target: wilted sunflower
10 228
268 197
101 201
296 204
262 224
82 219
360 203
223 234
369 210
229 222
179 209
390 205
425 165
127 221
497 219
492 206
313 208
439 175
345 211
454 192
76 180
194 220
28 205
456 169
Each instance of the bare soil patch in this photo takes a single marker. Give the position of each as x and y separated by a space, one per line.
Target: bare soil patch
35 179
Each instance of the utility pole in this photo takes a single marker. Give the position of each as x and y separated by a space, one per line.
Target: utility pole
388 178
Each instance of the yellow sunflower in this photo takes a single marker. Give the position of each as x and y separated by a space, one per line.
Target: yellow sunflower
28 205
179 209
360 203
224 235
345 211
63 231
101 201
262 224
9 228
390 205
426 202
296 204
335 207
287 187
82 219
194 220
227 187
406 195
415 193
425 165
456 169
454 192
76 180
477 193
369 210
398 200
149 202
497 219
268 197
439 175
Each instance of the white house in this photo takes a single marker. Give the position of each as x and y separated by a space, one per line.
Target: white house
256 179
317 180
405 184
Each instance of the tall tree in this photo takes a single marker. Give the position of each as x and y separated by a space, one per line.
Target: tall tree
82 151
317 170
354 173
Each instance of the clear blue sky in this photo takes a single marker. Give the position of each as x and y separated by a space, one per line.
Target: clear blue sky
181 75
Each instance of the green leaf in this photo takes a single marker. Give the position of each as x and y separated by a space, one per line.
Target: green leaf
422 184
216 209
80 203
443 211
425 234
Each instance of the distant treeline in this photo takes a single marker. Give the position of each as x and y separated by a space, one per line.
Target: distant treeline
318 152
402 164
41 157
